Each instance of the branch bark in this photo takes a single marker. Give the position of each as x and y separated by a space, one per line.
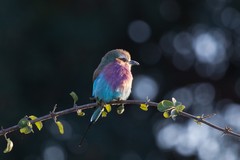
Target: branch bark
51 115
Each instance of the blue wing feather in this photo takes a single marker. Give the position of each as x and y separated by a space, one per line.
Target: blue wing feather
103 91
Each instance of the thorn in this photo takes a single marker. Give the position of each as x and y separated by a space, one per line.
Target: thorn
147 99
227 130
54 108
208 116
53 113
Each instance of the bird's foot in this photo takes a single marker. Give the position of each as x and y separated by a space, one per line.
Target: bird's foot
119 99
100 102
116 100
93 99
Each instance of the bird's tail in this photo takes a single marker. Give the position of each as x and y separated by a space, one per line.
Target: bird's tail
96 114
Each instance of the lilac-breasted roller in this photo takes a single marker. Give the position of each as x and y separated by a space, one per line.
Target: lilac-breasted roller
112 80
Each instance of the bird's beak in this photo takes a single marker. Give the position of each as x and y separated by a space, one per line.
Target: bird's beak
133 63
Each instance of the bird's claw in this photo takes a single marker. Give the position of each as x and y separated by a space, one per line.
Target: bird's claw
100 102
93 99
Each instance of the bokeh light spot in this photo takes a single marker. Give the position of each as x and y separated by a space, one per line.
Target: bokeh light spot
183 43
166 43
196 134
214 71
53 152
167 137
184 146
232 115
205 47
144 86
230 18
204 94
229 154
139 31
183 95
209 149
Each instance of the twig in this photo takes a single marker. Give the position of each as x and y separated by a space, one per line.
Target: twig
225 130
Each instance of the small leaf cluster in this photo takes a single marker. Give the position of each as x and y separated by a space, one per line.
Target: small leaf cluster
170 109
26 126
75 99
144 106
107 109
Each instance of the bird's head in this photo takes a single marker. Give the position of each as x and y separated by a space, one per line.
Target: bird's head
119 55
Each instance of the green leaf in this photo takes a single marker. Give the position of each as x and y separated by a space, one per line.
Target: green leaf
120 109
9 146
166 114
74 96
38 124
104 114
108 107
199 123
80 113
23 122
165 105
144 107
180 108
26 130
173 114
173 117
174 101
25 125
60 127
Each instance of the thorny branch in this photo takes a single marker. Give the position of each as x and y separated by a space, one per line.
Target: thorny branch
226 130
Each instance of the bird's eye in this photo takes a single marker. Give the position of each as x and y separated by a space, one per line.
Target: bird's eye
123 59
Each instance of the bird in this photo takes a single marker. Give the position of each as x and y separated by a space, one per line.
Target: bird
112 80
